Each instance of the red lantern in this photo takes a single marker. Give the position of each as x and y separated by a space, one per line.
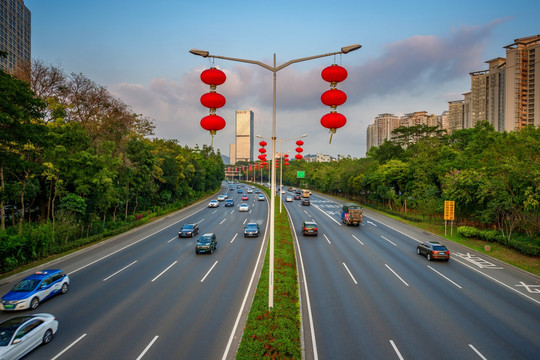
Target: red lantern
299 143
333 98
263 143
299 149
286 156
212 123
262 157
286 164
333 121
334 74
262 150
213 77
298 156
213 100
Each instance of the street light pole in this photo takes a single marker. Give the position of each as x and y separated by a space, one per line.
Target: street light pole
274 69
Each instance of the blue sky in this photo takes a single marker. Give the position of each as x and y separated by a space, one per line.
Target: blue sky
415 56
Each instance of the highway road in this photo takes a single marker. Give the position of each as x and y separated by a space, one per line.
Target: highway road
147 295
366 294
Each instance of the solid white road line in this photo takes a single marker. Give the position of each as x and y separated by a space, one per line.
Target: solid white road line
69 347
357 239
350 274
389 268
148 347
444 277
396 349
477 352
122 269
208 273
164 271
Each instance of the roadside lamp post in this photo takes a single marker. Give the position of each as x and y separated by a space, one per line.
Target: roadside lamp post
274 69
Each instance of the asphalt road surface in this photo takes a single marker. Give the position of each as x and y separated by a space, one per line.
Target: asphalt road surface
366 294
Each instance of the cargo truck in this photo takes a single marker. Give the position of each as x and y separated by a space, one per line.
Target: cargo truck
351 214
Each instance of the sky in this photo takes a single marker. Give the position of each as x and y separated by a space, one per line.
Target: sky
416 56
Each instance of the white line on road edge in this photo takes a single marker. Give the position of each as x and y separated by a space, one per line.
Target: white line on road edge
396 349
122 269
357 239
234 237
231 338
208 273
444 277
388 241
352 277
148 347
477 352
163 272
69 347
389 268
327 239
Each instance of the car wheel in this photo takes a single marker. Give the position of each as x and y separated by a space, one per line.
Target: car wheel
196 252
211 250
34 303
428 256
64 288
47 337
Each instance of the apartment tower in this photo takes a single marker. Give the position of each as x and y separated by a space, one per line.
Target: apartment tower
522 106
15 34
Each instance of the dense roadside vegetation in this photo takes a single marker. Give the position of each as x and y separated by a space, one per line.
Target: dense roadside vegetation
275 334
494 179
76 164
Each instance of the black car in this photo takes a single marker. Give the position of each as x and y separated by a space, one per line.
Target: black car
433 250
206 243
296 196
188 230
309 228
229 202
251 229
305 201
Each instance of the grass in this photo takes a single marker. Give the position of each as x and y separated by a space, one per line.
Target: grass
275 333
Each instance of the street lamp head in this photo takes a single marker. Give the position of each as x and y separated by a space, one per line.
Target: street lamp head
348 49
303 136
202 53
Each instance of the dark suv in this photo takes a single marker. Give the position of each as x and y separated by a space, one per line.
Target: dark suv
309 228
206 243
305 201
433 250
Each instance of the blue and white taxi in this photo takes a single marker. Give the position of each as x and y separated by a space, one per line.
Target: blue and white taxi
41 285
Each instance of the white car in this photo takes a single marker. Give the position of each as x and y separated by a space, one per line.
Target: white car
243 207
260 197
288 199
221 197
249 190
213 204
21 334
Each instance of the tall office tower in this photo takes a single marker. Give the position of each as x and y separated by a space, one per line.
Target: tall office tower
15 37
244 135
478 110
496 92
522 106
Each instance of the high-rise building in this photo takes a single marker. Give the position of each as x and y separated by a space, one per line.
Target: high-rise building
244 137
496 92
522 107
478 101
15 37
455 114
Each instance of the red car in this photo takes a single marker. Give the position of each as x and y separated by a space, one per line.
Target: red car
244 198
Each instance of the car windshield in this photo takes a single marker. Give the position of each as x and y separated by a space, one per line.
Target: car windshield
205 240
8 328
251 227
439 247
26 285
187 227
